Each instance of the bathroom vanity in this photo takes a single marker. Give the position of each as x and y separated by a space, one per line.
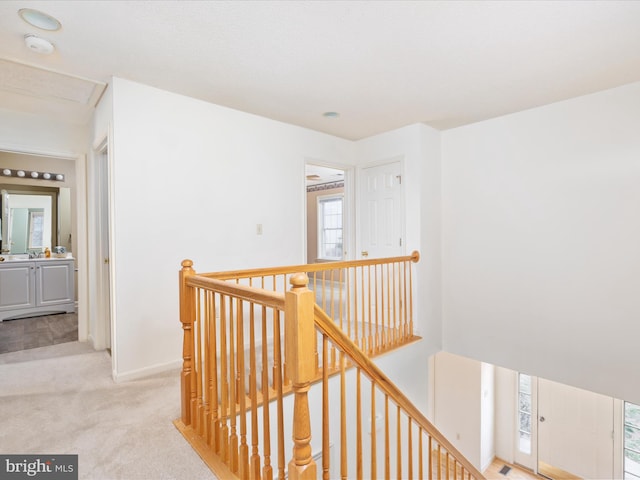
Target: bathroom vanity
32 287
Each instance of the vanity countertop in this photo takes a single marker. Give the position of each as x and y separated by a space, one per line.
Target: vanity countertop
21 258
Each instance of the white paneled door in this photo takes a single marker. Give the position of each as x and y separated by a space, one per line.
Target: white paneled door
575 430
381 211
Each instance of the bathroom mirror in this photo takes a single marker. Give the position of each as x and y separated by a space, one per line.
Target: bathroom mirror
34 218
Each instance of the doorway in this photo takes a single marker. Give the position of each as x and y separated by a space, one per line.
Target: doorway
100 256
327 215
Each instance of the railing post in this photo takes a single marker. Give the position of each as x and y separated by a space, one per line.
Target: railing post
187 309
300 363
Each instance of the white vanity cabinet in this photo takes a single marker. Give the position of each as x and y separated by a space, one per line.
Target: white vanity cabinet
36 287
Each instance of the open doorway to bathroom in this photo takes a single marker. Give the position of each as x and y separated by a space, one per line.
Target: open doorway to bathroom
38 295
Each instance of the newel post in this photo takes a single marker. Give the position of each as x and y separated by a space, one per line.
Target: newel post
300 364
187 308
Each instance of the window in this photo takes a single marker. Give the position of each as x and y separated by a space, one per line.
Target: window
631 441
330 227
36 228
524 413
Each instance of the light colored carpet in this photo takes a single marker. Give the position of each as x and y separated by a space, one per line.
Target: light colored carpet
62 400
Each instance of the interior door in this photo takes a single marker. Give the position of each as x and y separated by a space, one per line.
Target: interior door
381 211
575 431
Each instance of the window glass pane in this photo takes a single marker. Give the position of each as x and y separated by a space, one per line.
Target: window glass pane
525 403
525 383
525 443
330 228
525 422
632 438
632 414
631 464
631 441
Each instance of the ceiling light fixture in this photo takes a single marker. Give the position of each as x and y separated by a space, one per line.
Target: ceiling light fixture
39 19
331 114
39 45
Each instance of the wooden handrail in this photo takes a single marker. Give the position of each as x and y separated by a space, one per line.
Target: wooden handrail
307 268
362 361
250 294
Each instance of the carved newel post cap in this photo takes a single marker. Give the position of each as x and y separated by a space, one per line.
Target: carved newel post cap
299 280
187 263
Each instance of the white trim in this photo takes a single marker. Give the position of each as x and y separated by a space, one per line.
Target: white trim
147 371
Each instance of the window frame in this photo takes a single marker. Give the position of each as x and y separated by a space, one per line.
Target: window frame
320 201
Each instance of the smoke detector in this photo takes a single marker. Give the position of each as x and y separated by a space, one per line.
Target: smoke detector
38 44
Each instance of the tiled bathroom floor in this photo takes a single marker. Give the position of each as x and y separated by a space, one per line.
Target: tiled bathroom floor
33 332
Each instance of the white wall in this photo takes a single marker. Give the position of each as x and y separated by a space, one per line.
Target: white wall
458 403
505 413
192 180
540 241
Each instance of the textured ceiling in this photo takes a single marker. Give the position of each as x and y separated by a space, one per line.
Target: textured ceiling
382 64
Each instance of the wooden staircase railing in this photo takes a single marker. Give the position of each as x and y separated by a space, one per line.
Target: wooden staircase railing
248 343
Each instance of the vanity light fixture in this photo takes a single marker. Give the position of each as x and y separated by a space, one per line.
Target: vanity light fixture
7 172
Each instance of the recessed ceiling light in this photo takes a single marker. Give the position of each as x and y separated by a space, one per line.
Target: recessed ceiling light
331 114
39 19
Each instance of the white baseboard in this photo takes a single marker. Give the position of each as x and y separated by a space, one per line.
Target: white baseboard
147 371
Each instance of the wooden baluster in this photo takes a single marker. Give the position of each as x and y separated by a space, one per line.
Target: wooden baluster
420 453
387 465
405 333
399 442
349 300
278 381
411 326
355 306
206 434
253 393
326 463
284 373
374 454
362 311
224 383
430 462
376 346
389 321
187 310
369 319
332 363
233 378
395 304
199 409
439 460
299 338
243 466
410 453
447 465
267 470
383 319
344 472
215 414
358 427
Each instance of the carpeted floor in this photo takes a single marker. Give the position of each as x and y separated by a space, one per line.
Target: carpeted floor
61 399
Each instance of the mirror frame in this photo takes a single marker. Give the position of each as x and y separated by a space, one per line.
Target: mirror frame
12 189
